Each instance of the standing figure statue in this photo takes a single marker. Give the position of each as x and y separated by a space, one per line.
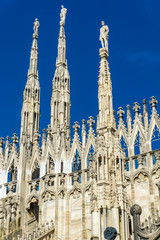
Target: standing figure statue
63 15
35 27
104 30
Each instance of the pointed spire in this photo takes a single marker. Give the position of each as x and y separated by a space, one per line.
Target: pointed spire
106 115
129 119
60 101
145 113
30 115
34 50
62 38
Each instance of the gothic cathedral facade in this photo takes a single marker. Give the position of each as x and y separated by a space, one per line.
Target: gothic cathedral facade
52 189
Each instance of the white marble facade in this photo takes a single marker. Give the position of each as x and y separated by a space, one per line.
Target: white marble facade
58 190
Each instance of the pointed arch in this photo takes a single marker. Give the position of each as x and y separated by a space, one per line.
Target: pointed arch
155 137
90 155
124 145
76 162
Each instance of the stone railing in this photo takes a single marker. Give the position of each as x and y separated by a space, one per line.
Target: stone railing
148 160
149 230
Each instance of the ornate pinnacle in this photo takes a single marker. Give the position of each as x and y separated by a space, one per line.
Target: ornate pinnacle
15 138
153 103
44 135
36 137
76 127
136 108
144 106
83 125
120 113
90 122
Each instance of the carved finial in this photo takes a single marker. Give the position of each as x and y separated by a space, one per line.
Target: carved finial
90 122
35 28
83 125
153 103
1 142
49 131
144 107
15 138
136 108
104 30
36 137
128 111
63 16
76 127
44 135
120 113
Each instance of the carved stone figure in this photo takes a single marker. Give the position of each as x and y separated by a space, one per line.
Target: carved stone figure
35 27
104 30
63 16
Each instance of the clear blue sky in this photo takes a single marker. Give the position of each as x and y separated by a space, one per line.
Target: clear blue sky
134 46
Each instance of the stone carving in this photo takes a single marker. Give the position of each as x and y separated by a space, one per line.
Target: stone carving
104 30
35 27
47 196
110 233
63 16
141 178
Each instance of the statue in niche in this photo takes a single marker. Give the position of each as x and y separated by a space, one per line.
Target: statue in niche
36 26
104 30
63 16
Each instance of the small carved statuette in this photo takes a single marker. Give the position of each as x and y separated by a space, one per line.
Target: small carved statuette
63 16
35 27
104 30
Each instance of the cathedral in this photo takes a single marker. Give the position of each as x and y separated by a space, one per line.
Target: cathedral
60 188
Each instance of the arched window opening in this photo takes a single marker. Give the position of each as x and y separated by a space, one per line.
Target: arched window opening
124 146
155 140
35 171
90 156
76 164
34 211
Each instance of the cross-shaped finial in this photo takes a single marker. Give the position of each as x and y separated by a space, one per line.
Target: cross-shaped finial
136 108
153 103
120 113
15 138
76 127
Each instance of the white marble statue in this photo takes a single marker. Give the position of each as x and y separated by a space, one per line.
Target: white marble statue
36 26
104 30
63 15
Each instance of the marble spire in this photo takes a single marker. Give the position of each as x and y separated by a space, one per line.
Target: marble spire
34 50
30 115
106 116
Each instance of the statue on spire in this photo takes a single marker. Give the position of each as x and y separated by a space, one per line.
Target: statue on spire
63 16
104 30
35 27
